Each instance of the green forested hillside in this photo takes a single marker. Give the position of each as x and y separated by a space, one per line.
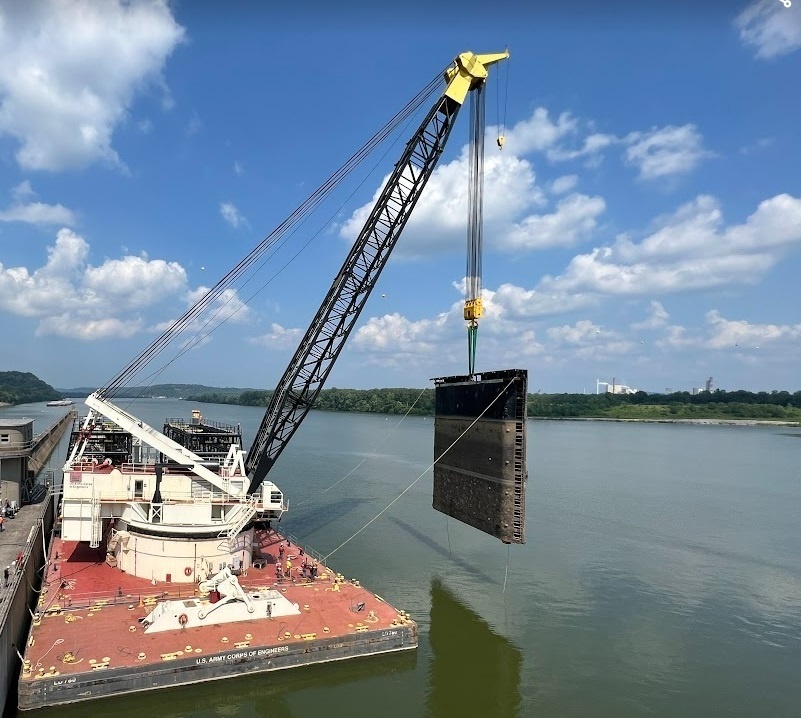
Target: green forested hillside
779 405
381 401
18 387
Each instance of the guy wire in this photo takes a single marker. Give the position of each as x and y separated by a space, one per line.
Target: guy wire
377 446
389 505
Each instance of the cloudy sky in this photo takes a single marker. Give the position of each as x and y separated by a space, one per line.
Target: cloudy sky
642 222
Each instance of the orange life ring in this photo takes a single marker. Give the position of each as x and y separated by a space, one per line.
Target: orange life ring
187 571
183 619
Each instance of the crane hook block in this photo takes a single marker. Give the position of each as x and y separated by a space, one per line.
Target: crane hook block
473 309
501 140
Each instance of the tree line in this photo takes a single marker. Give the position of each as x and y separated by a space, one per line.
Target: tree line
681 404
23 387
718 404
378 401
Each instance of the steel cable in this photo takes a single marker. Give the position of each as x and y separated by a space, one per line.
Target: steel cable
276 237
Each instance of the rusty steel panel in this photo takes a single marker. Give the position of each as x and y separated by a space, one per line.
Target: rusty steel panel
480 451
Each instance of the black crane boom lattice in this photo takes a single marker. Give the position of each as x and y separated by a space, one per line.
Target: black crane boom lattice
328 332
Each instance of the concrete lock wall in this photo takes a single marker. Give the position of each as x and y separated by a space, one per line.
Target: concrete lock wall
21 595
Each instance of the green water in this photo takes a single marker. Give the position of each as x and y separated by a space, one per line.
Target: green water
661 576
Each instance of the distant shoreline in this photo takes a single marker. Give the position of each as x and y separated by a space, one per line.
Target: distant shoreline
707 422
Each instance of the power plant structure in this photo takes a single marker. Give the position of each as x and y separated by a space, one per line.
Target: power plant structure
613 387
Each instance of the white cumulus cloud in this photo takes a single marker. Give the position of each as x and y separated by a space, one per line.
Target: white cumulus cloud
574 218
592 145
587 340
770 28
69 70
279 337
232 215
227 307
564 184
665 151
538 133
395 333
657 318
71 297
578 333
691 249
80 325
439 221
23 209
727 333
511 195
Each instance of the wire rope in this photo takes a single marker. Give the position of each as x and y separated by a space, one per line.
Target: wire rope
372 451
506 93
57 642
279 234
506 574
196 339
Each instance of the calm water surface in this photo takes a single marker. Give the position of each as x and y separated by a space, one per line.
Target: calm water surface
661 575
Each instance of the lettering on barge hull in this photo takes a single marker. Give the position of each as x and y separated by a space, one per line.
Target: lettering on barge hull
481 481
242 655
35 692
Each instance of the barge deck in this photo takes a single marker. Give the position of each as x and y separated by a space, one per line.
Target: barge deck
91 638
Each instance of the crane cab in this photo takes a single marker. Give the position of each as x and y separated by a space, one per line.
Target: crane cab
272 498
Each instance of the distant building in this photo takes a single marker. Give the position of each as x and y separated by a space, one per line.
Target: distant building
613 388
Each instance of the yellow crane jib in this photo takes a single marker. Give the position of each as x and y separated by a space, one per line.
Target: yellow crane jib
467 71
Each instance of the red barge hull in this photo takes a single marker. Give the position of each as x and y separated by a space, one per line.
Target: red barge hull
88 640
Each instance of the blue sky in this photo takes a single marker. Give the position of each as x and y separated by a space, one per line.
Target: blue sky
642 222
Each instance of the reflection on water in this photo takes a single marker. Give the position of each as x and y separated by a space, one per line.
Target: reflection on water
467 566
473 671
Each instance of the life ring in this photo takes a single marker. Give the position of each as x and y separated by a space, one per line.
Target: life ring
183 619
188 571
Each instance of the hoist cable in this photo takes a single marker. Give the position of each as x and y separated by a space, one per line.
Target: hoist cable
475 221
475 201
278 234
506 93
199 336
297 216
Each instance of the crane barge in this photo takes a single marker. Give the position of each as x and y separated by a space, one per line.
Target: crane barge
166 568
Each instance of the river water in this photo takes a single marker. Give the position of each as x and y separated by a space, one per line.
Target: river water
661 575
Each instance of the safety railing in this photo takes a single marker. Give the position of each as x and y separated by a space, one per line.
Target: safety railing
307 550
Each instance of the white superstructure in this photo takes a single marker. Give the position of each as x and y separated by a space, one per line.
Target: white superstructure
176 521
